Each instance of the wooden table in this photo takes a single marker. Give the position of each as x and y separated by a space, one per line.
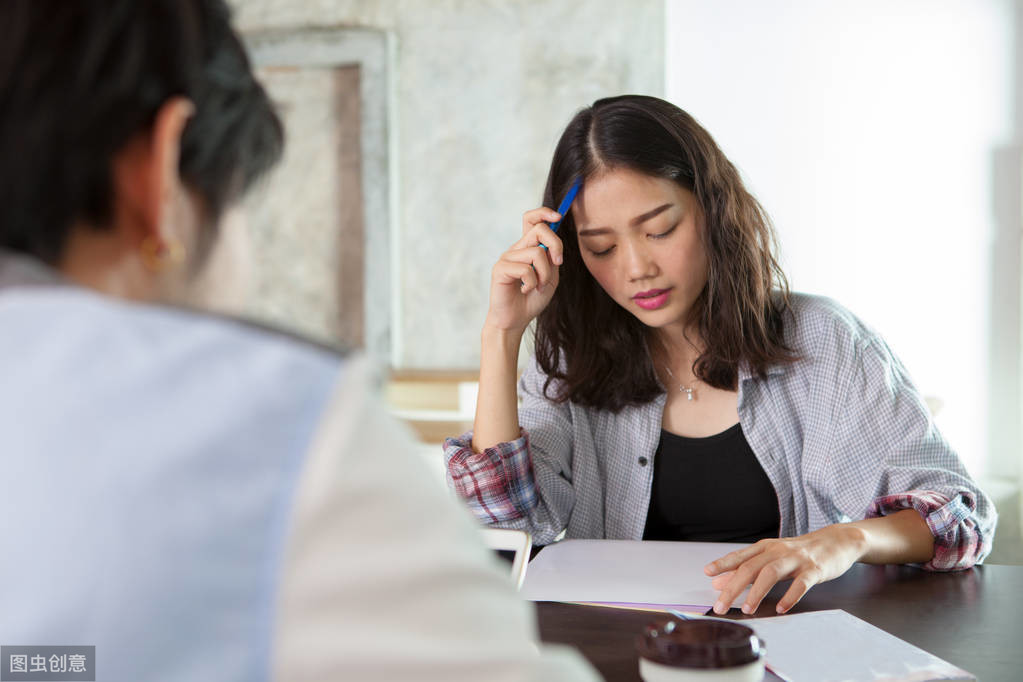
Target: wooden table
973 619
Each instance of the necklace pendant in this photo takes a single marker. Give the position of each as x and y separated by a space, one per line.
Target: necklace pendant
681 388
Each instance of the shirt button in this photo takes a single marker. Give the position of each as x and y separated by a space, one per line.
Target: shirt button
643 461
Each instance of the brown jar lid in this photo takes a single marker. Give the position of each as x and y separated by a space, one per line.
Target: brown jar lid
699 643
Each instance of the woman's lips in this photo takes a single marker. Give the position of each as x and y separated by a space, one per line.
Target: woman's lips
652 299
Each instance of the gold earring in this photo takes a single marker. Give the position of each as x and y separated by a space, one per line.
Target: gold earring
158 256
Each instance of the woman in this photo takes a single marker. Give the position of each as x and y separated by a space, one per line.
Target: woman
680 392
189 495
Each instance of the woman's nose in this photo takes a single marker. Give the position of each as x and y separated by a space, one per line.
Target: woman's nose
638 261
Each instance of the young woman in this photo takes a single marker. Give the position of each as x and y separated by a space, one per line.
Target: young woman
680 392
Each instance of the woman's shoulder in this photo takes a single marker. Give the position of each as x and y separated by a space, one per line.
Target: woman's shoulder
180 345
815 322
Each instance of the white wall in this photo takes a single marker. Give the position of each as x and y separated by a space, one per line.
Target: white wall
869 130
481 92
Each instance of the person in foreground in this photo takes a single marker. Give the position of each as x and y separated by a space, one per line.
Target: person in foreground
680 392
198 498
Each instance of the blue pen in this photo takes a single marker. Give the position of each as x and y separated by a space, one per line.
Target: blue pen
566 204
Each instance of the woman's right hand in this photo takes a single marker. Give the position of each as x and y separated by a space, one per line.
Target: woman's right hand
523 280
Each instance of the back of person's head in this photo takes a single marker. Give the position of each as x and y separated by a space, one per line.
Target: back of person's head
79 80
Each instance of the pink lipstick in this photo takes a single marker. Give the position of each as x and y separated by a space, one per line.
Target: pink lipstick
652 299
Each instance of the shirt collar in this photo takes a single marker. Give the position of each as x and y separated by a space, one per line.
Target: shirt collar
18 270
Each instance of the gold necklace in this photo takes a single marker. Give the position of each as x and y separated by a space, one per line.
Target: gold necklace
688 390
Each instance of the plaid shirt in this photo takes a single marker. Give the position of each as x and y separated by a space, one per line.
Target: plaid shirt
842 434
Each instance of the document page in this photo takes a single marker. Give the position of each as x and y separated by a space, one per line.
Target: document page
626 572
835 645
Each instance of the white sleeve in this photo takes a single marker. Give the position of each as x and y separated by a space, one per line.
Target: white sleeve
385 577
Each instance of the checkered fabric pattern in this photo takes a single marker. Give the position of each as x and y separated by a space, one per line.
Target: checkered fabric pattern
842 434
956 540
497 483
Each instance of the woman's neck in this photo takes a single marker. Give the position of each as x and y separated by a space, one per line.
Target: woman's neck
675 350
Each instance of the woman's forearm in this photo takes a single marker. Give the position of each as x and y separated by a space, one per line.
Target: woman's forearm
497 409
899 538
824 554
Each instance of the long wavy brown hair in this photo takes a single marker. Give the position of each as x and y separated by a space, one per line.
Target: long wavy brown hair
586 343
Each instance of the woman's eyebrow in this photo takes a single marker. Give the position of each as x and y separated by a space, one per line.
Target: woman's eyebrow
650 214
594 231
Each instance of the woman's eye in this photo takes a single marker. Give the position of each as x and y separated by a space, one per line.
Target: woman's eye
605 252
662 235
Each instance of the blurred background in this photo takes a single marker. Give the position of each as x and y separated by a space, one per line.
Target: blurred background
882 136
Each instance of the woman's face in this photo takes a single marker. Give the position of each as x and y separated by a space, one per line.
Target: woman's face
641 237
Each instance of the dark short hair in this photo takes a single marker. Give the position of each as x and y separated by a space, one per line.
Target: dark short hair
595 351
80 79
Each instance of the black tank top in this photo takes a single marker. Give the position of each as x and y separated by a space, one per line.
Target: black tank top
710 489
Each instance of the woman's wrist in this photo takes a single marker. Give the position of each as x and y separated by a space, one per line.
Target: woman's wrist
900 538
856 538
497 419
504 341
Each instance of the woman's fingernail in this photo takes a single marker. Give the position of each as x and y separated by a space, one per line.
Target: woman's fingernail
719 608
747 609
558 260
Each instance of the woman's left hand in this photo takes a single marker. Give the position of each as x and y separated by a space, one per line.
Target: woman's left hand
808 560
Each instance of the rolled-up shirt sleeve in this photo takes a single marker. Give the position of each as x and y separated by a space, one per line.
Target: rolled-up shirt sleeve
890 456
524 484
958 542
496 484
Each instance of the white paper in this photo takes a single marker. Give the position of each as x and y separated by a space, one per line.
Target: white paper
625 571
821 646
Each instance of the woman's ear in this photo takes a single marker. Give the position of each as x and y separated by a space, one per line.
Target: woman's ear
146 180
165 179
